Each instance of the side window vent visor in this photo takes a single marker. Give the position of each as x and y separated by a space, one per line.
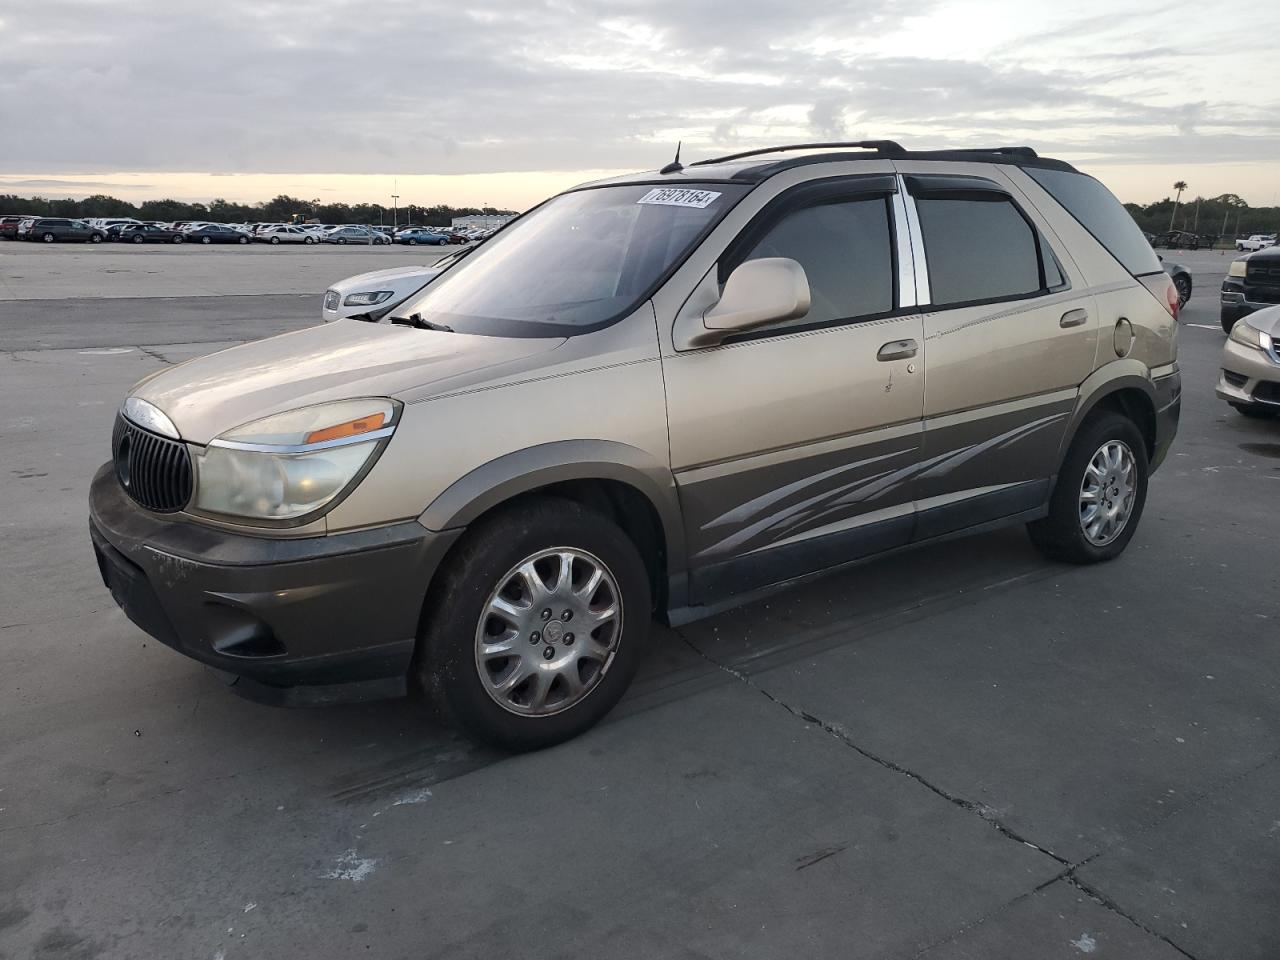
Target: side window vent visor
955 188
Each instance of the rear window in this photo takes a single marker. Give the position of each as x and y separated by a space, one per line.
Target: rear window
978 250
1101 214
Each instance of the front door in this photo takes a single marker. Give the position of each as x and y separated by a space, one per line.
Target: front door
793 445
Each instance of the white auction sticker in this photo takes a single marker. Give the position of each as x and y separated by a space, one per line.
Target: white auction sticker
680 197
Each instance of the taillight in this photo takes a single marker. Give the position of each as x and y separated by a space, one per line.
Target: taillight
1162 287
1171 298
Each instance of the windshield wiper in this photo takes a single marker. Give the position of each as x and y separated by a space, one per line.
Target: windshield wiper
416 320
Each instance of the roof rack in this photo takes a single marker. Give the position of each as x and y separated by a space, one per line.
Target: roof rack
887 148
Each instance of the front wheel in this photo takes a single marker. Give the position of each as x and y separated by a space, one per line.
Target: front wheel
1100 493
275 241
308 240
95 238
536 626
242 240
206 240
48 237
177 239
137 239
342 240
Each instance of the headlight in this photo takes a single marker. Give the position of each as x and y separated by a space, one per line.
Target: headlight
366 298
1237 268
292 464
1250 336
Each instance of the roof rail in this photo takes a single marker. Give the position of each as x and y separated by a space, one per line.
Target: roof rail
889 147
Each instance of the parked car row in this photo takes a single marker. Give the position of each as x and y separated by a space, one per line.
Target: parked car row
129 230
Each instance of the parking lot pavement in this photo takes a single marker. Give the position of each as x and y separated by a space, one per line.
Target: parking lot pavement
961 752
30 271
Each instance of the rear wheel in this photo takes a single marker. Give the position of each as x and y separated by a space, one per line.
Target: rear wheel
1100 493
137 239
412 242
1182 283
308 240
275 241
206 240
536 626
95 238
178 239
242 240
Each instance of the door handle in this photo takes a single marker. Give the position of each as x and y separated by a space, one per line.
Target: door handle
898 350
1073 318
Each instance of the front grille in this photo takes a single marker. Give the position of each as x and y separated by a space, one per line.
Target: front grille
331 299
1267 392
154 470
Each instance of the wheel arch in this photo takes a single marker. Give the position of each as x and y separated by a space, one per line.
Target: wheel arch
1125 387
624 482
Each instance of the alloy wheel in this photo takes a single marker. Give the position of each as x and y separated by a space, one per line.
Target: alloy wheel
548 632
1107 492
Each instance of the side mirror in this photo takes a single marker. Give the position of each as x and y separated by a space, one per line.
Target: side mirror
757 293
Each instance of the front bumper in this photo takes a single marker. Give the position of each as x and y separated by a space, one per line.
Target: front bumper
1249 376
310 619
1239 299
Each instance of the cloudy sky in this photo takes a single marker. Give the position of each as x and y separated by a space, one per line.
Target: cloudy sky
502 102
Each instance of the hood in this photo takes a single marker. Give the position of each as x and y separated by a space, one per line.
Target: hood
336 361
418 274
1267 320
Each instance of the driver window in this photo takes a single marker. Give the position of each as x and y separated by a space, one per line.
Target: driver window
847 255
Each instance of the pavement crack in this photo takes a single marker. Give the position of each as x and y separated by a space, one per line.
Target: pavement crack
1102 900
836 731
154 354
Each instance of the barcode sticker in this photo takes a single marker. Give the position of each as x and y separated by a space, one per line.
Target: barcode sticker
680 197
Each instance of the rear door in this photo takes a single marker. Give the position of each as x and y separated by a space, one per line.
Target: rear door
793 445
1009 336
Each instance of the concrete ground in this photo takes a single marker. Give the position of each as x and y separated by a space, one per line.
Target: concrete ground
961 752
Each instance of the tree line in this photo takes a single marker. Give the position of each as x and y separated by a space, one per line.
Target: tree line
282 209
1223 216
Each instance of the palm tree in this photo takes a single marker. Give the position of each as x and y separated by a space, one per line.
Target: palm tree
1179 186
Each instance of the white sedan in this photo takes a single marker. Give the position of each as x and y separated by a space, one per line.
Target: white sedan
372 296
285 235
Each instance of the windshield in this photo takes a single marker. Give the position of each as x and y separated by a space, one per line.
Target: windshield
578 261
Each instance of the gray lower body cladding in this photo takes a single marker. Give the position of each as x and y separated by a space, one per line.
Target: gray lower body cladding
338 609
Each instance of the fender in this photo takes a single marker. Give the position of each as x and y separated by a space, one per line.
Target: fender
519 472
1107 379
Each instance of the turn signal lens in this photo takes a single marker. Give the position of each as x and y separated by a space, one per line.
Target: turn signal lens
351 428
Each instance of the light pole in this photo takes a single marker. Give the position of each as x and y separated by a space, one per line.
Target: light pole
395 210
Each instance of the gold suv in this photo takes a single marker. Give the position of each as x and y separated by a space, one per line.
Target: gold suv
650 395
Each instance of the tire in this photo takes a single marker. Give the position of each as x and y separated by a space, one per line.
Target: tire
275 241
48 237
178 239
206 240
1061 535
441 243
413 243
342 240
308 240
1183 285
137 239
447 665
1228 319
242 240
95 238
1253 412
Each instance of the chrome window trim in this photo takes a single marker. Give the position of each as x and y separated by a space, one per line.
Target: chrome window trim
302 447
923 294
906 254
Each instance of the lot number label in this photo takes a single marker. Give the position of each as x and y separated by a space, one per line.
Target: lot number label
679 197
